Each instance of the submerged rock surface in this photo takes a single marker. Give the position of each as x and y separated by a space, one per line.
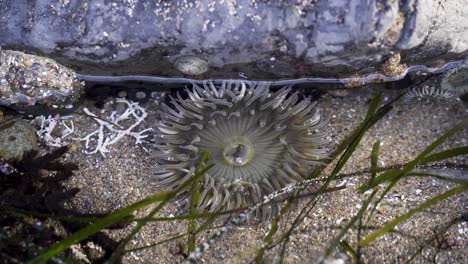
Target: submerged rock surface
17 139
28 79
257 39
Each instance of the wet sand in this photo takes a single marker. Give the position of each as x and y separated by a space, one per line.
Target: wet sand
123 177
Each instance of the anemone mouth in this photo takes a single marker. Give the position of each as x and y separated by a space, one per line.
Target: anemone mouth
238 151
259 142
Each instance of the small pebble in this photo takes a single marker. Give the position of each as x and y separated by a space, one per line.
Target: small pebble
140 95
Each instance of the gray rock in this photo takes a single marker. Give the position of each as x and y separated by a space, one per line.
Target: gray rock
257 39
17 139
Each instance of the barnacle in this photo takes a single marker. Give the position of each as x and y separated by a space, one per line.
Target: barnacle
393 66
259 142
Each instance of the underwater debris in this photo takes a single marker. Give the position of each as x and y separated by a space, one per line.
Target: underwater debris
57 131
259 141
111 131
29 79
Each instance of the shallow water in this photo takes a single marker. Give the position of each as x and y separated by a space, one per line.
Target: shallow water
115 167
121 178
371 78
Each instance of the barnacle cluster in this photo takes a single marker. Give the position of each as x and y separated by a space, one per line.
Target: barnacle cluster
393 66
28 79
259 141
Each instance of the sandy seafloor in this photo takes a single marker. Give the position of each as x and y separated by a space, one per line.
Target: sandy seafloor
122 177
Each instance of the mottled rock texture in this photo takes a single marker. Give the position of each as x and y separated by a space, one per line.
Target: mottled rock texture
16 139
257 39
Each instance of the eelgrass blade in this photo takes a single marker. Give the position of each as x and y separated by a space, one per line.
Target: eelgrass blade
397 174
120 248
382 196
428 203
422 173
374 160
371 118
349 146
97 226
334 243
211 218
365 205
444 155
116 217
348 249
195 197
358 216
269 237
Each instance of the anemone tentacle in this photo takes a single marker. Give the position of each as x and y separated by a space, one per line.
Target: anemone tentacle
259 142
428 94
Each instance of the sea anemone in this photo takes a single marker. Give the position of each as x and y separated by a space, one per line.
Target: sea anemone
452 85
258 140
456 80
428 94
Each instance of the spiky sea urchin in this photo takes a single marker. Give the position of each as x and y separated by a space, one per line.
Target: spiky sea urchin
259 142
